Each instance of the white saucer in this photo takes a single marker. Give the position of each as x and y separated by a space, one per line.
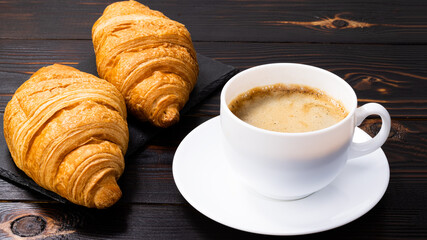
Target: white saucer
204 179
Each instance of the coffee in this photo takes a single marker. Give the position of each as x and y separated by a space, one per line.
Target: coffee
287 108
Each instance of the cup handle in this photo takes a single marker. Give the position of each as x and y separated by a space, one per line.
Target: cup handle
363 148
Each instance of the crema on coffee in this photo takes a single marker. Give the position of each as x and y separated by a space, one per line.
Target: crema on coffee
287 108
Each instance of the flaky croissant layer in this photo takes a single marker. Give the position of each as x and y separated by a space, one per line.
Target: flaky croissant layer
67 130
148 57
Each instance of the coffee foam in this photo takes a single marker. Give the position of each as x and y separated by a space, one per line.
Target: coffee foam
287 108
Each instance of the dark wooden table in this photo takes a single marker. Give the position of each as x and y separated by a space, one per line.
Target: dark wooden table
378 46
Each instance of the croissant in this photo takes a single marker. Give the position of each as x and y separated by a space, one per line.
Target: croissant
148 57
67 130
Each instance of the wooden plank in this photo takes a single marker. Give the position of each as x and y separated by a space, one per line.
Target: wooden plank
378 21
56 221
394 75
148 173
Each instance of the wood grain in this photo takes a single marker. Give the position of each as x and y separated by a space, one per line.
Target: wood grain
393 75
182 222
245 20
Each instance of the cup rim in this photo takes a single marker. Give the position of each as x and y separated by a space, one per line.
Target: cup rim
265 131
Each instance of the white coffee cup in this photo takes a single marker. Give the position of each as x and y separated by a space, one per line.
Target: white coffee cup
290 166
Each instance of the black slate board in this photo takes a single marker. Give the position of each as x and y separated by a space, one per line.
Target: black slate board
212 75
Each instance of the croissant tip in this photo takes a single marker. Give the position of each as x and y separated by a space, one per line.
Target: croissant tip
168 117
107 195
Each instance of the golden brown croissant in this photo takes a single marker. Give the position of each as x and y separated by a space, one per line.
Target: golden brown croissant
67 130
148 57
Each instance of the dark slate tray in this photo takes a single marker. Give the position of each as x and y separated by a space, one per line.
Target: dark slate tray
212 75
